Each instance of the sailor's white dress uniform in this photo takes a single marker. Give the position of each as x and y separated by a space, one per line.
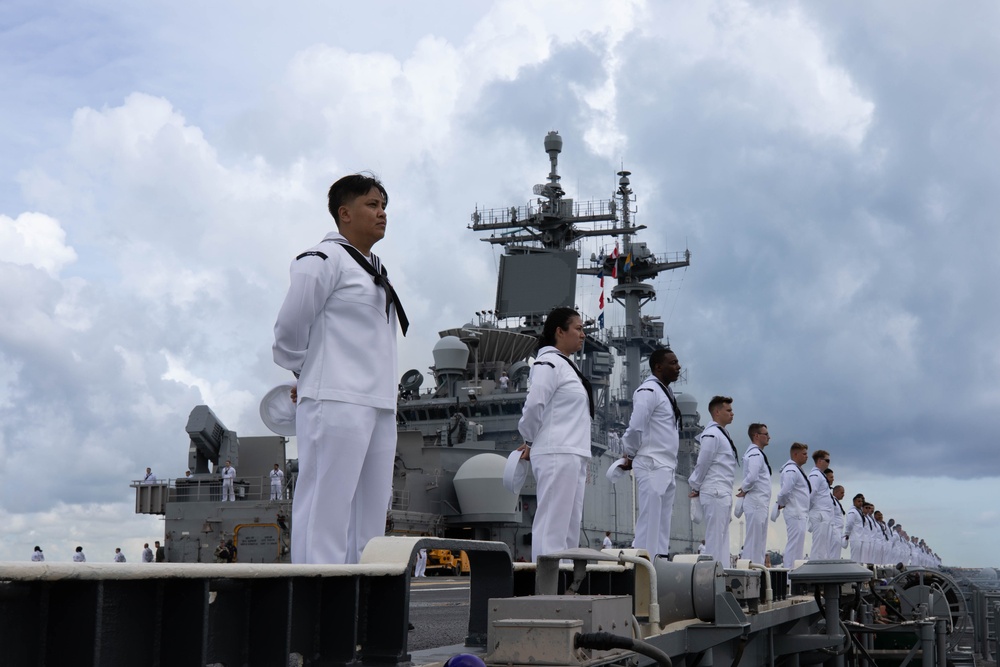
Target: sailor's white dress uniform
119 557
556 422
756 499
713 478
794 498
78 557
334 333
854 526
228 475
819 514
277 481
651 441
836 520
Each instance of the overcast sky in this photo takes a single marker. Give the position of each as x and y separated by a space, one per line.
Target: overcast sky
832 167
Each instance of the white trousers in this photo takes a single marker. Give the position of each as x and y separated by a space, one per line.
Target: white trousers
227 490
275 490
560 480
656 489
755 543
717 505
420 569
866 550
820 529
344 485
856 547
796 545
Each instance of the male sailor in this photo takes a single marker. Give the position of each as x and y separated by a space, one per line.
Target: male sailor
819 505
793 500
277 481
756 493
882 540
854 525
837 523
228 475
868 542
713 477
336 332
651 443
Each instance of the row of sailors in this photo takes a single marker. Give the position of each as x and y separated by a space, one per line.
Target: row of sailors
555 424
810 503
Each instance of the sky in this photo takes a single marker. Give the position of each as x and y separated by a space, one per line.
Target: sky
831 167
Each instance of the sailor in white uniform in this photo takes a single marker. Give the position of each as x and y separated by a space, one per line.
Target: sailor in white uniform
37 556
756 493
277 482
228 475
868 533
881 540
150 477
606 543
119 556
713 477
854 526
837 515
819 505
336 332
78 556
420 568
793 500
555 424
651 443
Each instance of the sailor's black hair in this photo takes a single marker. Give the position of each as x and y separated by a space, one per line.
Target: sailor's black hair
557 319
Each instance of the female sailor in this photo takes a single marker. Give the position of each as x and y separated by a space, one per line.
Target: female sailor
555 425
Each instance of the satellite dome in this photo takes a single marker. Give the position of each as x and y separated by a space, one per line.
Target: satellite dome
451 354
687 403
480 489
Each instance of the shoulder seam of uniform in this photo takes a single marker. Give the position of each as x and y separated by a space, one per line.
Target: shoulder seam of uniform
312 253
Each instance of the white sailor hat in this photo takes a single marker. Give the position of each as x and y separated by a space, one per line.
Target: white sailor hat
515 471
774 512
738 507
278 411
697 511
615 471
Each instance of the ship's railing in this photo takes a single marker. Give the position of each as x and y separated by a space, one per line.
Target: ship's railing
495 218
151 497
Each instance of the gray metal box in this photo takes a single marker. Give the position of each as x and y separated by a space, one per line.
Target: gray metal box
534 630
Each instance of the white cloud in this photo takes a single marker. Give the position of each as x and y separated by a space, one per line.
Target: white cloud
35 239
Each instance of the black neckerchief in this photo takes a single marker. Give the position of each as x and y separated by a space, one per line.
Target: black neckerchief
733 446
585 381
803 475
381 279
673 403
766 462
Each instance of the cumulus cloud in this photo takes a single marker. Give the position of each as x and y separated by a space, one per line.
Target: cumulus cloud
35 239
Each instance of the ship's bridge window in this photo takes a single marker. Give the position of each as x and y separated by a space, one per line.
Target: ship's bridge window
437 413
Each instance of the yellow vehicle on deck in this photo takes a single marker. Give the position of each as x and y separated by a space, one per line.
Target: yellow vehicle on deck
444 561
